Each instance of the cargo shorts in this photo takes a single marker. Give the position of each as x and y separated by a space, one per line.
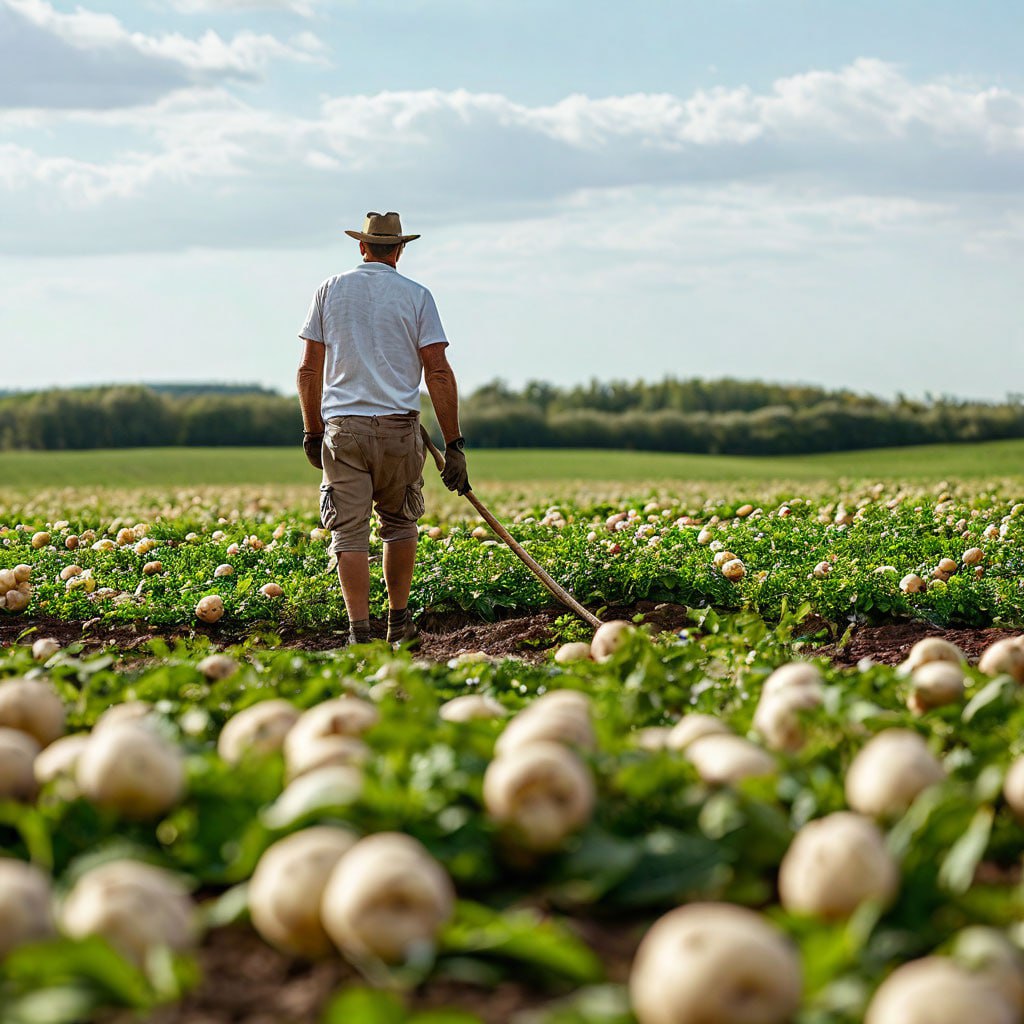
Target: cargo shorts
371 461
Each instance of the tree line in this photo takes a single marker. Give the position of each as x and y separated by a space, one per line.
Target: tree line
714 417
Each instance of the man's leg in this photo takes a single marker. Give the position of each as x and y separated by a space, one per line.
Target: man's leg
399 562
354 574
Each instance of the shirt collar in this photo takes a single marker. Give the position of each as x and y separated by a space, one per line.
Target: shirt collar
375 267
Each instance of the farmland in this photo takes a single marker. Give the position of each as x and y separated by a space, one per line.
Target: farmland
676 771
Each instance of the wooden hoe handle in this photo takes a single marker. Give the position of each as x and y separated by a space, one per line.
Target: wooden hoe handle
524 556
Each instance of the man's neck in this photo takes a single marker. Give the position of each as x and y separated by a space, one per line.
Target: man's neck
388 261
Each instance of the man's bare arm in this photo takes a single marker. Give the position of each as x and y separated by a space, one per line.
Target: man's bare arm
310 384
443 390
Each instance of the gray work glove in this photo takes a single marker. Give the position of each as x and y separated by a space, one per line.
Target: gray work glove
312 445
455 476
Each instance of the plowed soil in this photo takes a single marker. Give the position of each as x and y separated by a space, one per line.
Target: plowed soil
528 637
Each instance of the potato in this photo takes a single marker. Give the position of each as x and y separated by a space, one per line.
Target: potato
988 953
721 557
835 864
326 750
16 601
45 648
1004 657
136 907
692 727
778 720
132 770
889 772
217 666
7 580
153 568
933 648
541 792
791 675
936 990
288 884
715 963
59 759
470 707
40 540
33 706
210 609
1013 789
726 759
934 684
734 570
26 900
224 570
22 573
609 637
386 899
316 789
18 751
572 652
259 729
653 738
912 584
272 590
559 720
135 711
972 556
341 716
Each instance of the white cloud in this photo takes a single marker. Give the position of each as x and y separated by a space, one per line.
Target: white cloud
864 145
84 59
304 8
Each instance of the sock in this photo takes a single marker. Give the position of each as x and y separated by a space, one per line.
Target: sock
398 616
359 631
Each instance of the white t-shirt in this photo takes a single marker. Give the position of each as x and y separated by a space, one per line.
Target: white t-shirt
373 322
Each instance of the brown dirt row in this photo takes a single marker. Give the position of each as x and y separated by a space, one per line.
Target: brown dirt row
528 637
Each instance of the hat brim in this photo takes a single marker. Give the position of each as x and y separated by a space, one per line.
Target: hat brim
381 239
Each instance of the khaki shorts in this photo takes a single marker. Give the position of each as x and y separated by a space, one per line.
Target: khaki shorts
371 461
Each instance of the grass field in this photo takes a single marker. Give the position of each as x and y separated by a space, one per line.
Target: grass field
184 467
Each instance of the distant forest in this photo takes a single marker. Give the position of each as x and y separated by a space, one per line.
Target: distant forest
716 417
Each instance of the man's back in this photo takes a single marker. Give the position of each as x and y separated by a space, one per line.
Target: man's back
372 322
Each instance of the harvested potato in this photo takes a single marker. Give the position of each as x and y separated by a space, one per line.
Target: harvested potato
835 864
326 750
136 907
541 792
386 898
778 716
218 666
132 770
470 707
726 759
934 684
60 758
288 884
937 990
933 648
1004 657
340 716
694 726
210 609
18 751
715 963
26 900
33 706
572 652
609 637
259 729
45 648
889 772
557 716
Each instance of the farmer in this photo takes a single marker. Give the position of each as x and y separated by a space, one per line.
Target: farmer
369 336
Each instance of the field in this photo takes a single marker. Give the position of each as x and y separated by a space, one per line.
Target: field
560 805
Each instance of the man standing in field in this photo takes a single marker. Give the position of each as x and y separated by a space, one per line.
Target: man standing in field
369 336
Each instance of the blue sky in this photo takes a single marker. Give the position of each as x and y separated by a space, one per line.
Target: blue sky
817 191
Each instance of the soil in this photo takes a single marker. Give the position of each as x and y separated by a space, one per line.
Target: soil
244 981
528 637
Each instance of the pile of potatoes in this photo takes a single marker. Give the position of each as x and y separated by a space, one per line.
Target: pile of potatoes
15 588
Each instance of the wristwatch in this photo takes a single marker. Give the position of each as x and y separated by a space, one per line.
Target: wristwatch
459 443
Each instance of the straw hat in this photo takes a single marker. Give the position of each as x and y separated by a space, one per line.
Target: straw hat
382 229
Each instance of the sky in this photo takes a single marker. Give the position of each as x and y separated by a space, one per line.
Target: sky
793 190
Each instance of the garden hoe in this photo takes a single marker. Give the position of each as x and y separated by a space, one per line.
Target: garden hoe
560 592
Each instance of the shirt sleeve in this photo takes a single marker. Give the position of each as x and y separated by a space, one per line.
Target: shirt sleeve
430 329
313 328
